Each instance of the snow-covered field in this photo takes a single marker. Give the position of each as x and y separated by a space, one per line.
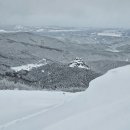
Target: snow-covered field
104 106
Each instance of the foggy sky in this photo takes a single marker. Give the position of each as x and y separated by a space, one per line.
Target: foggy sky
89 13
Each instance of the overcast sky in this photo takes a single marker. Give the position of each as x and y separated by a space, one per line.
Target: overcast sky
91 13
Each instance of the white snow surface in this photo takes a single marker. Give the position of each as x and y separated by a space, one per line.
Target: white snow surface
29 67
112 50
19 27
105 105
78 63
63 30
110 34
2 31
40 30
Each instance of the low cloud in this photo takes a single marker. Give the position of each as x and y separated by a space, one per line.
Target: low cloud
94 13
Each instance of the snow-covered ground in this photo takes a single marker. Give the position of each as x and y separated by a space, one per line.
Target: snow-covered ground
63 30
2 31
105 105
40 30
78 62
110 34
29 67
21 106
112 49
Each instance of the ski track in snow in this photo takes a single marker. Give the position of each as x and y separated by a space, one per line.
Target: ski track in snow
13 122
34 116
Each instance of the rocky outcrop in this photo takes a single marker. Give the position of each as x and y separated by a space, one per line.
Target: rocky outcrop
79 63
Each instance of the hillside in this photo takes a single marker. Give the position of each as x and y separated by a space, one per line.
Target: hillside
104 105
97 54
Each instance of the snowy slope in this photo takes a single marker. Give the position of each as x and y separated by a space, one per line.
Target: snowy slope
29 67
19 106
104 106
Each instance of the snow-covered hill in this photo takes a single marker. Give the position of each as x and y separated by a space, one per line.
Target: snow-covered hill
79 63
104 106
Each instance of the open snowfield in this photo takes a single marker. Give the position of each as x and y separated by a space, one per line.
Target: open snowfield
105 105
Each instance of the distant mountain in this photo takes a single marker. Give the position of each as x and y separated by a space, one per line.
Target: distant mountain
20 53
